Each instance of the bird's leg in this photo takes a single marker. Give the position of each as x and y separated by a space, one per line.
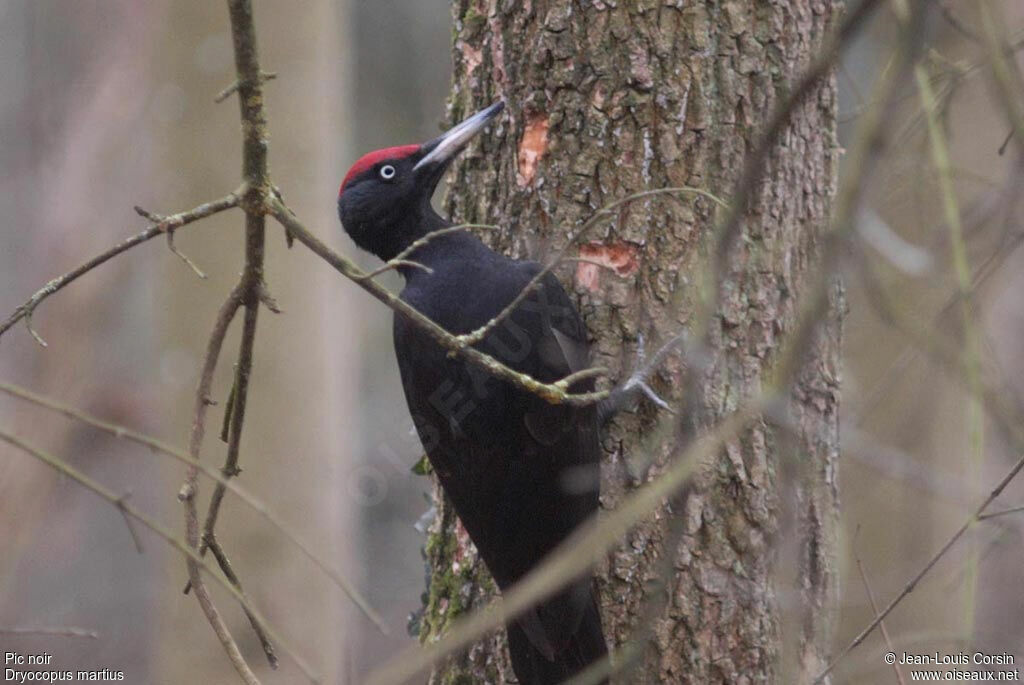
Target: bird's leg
623 396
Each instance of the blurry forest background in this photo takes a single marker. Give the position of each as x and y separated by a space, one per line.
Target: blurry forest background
105 105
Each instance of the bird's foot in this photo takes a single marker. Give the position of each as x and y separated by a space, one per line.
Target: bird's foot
637 383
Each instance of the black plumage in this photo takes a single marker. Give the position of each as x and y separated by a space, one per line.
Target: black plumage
521 473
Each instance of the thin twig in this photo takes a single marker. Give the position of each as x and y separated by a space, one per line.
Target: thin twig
547 391
25 311
249 85
54 632
462 344
874 610
233 87
396 263
958 25
593 262
1004 512
156 219
1006 143
181 255
402 258
582 375
244 495
121 504
267 299
190 488
974 419
181 546
912 583
230 469
983 210
476 336
239 395
229 573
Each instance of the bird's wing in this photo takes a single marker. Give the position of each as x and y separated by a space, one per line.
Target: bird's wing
521 472
561 350
565 446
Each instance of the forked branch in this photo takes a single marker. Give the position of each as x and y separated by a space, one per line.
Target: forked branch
164 225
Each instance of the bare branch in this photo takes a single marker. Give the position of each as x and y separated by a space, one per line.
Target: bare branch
912 583
982 211
395 263
166 224
402 258
267 299
974 419
249 85
239 394
233 87
120 504
229 573
177 543
244 495
582 375
156 219
547 391
476 336
1004 512
554 392
55 632
881 624
1006 143
1007 77
181 255
958 25
188 491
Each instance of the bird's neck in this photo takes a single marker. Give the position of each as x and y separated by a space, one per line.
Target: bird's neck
412 227
393 229
437 248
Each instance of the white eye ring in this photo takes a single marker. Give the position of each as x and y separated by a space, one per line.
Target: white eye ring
387 172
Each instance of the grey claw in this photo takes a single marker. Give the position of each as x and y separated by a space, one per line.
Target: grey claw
626 394
641 352
425 520
653 396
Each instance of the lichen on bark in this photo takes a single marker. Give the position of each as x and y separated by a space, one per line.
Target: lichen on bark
606 99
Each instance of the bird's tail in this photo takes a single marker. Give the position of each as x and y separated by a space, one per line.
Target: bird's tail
545 665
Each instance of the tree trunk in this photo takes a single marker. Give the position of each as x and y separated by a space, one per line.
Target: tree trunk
607 99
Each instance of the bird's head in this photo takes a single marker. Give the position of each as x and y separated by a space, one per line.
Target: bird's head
384 201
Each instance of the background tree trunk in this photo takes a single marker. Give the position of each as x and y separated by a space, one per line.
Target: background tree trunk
103 110
606 99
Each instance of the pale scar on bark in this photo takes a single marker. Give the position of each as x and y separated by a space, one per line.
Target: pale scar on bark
532 147
471 55
619 255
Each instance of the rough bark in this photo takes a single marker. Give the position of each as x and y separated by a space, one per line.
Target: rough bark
606 99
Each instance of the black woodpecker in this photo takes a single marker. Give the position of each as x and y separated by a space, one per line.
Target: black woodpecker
521 473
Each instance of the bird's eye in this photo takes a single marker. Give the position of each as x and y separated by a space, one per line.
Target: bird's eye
387 172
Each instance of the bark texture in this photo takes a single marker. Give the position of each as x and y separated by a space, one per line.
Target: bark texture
607 99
